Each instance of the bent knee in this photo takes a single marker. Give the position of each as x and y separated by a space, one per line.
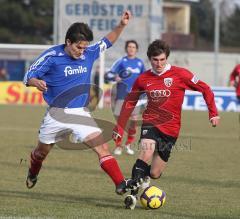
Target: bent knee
102 150
155 174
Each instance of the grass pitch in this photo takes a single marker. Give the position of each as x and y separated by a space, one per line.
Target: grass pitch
202 179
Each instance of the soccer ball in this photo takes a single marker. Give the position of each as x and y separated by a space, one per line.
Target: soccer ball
152 198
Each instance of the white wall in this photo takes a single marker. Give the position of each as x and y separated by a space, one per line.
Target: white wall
202 64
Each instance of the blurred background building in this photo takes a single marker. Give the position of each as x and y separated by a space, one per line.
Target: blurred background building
188 26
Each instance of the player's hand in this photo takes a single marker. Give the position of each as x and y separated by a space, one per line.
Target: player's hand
39 84
117 134
126 16
215 121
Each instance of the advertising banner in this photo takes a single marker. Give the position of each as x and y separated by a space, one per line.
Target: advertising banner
225 99
18 93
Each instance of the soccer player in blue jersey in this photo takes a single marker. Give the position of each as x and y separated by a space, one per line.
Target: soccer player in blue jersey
125 71
57 72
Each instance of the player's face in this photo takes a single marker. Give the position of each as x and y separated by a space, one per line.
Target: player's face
159 62
131 50
75 50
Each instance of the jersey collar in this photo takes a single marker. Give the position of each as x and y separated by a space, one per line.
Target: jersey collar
167 68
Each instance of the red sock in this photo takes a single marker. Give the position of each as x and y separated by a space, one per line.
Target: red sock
118 143
110 166
131 135
35 164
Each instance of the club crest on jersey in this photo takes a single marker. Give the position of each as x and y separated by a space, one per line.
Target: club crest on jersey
195 79
168 82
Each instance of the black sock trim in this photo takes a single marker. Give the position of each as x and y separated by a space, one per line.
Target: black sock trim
141 164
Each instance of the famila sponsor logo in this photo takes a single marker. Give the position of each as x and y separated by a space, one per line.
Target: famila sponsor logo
74 71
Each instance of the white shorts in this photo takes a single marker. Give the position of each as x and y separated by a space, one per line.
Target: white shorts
136 111
59 123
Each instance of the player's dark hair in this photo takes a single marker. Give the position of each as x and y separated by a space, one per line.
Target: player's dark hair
157 47
131 41
79 32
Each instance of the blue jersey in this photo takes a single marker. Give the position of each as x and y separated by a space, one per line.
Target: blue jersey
63 73
128 70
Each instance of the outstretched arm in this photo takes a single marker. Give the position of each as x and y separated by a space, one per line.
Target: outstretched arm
127 108
193 83
115 33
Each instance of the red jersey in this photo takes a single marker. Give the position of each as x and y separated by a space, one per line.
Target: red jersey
235 77
165 94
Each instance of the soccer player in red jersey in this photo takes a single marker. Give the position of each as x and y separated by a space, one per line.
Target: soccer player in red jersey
164 86
235 80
